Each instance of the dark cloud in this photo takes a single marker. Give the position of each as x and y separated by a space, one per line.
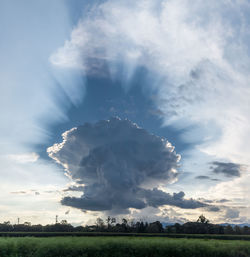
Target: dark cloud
228 169
116 161
202 177
213 208
223 201
156 198
215 179
74 188
203 200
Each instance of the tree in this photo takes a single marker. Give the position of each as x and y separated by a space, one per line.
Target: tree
178 228
202 219
108 220
237 230
100 224
124 221
155 227
64 222
228 229
113 221
246 230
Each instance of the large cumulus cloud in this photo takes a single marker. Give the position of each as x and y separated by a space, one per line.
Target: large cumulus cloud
120 165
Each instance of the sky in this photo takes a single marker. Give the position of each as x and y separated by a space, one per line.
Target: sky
123 108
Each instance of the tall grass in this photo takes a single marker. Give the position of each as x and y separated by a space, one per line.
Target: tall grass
121 247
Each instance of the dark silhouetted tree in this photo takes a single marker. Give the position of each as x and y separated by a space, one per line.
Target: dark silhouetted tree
202 219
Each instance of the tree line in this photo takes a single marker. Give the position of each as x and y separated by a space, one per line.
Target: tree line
110 224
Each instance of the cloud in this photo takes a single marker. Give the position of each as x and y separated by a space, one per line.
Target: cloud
140 34
228 169
223 201
23 158
215 179
198 54
156 198
118 163
74 188
19 192
164 215
216 201
232 214
213 208
30 192
202 177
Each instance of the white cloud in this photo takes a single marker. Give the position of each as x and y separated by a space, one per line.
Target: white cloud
163 41
199 55
24 158
199 50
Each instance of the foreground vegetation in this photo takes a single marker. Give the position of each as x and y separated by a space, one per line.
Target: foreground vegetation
119 234
121 247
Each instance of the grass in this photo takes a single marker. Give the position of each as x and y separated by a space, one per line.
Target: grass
119 234
121 247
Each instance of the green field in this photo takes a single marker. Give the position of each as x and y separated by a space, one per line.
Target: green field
121 247
119 234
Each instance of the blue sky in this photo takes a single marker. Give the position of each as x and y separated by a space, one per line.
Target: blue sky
177 69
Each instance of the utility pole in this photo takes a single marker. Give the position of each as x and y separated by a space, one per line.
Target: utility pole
18 221
56 219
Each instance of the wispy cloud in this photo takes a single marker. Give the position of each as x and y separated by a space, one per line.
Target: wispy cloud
24 158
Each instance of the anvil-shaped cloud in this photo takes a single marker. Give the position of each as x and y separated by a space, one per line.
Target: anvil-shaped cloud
121 166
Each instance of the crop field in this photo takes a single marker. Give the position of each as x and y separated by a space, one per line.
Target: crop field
121 247
119 234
